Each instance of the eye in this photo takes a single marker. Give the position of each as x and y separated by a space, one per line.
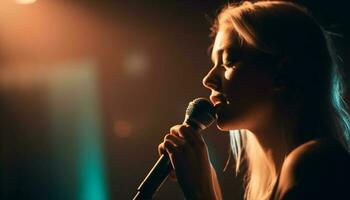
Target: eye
229 65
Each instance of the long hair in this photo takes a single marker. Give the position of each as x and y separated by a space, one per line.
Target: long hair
314 92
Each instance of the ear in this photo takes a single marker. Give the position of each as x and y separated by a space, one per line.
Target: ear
280 74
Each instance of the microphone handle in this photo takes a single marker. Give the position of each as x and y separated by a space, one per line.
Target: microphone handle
153 181
161 170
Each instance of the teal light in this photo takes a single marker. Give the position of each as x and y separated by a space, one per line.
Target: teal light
77 133
92 177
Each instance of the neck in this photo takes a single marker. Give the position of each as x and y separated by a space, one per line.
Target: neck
276 135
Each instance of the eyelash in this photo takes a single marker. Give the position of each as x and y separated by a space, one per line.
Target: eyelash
229 65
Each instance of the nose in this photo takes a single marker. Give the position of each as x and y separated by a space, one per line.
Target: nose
212 80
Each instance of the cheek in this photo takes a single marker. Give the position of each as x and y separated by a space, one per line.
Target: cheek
248 92
247 84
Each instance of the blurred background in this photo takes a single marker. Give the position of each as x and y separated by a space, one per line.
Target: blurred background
88 89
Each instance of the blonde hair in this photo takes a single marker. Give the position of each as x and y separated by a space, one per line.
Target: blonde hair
321 92
261 172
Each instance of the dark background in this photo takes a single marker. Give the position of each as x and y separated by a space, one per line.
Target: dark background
90 87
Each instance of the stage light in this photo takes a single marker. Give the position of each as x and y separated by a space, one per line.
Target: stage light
136 64
122 128
25 1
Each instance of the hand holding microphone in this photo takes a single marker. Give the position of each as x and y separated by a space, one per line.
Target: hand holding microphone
188 155
189 158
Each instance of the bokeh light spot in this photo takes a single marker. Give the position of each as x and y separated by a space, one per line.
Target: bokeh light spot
122 128
25 1
135 64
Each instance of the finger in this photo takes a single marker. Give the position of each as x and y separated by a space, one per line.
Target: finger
186 132
178 141
161 149
174 130
169 146
165 146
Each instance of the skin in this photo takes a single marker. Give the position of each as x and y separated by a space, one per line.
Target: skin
244 79
317 169
189 157
249 91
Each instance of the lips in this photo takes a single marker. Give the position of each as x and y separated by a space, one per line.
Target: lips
217 99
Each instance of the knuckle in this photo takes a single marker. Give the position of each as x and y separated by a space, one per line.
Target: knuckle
183 128
161 149
174 128
167 136
161 146
167 143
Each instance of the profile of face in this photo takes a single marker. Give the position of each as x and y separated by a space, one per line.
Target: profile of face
241 86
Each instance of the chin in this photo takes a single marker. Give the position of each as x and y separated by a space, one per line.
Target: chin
227 125
222 126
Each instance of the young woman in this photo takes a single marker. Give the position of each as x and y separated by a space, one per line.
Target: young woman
277 89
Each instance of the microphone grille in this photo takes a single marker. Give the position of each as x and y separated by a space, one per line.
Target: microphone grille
201 112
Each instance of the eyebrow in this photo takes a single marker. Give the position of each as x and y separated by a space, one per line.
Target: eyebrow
220 51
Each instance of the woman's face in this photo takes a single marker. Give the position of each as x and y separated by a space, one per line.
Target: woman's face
240 84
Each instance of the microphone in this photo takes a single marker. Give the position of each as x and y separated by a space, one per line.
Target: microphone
200 114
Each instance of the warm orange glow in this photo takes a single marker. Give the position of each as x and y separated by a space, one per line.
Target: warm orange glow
122 128
25 1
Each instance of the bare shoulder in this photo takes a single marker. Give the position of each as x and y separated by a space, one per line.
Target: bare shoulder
317 168
315 155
